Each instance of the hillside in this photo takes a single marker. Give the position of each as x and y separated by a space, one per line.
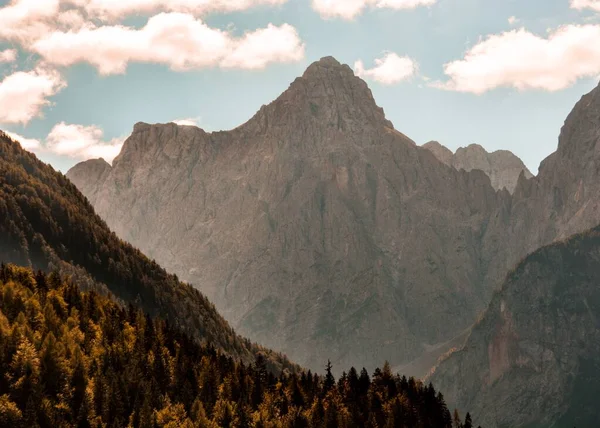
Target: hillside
77 359
533 360
46 223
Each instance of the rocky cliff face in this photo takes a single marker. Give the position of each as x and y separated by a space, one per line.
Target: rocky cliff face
502 166
320 230
534 357
315 227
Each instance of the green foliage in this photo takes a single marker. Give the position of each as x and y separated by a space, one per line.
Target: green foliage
72 358
46 223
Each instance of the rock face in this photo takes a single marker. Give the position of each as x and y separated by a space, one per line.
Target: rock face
319 230
90 174
534 357
502 166
538 340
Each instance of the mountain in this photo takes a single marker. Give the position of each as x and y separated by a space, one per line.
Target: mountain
73 359
326 233
533 360
46 223
318 223
502 166
538 339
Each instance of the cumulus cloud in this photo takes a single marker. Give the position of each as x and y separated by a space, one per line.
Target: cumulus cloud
27 143
586 4
513 20
174 39
112 9
82 142
65 32
389 70
24 94
349 9
8 55
75 141
523 60
25 20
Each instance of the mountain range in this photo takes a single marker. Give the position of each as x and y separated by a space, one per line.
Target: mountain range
320 230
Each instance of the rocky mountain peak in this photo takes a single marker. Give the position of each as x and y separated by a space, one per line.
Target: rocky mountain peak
328 96
441 152
502 166
579 139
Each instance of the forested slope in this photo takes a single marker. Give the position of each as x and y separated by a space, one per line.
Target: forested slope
78 359
46 223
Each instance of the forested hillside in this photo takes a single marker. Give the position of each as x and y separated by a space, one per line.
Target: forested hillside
78 359
533 359
46 223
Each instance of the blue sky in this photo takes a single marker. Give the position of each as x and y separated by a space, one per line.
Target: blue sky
504 95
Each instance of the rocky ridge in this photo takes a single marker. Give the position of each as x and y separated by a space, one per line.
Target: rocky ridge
502 166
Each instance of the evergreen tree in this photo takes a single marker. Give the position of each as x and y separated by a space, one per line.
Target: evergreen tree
329 381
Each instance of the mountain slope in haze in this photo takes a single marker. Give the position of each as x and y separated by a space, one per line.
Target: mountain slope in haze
534 357
73 359
325 232
502 166
46 223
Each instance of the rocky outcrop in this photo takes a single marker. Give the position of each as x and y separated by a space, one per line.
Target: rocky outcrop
320 230
502 166
534 357
90 175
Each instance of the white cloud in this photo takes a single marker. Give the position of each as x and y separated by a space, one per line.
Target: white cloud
191 121
8 55
349 9
586 4
25 20
175 39
82 142
74 141
388 70
513 20
523 60
271 44
24 94
112 9
27 143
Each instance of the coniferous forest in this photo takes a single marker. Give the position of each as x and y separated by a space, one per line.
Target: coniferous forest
78 359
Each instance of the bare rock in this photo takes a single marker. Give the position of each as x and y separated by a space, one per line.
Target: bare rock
502 166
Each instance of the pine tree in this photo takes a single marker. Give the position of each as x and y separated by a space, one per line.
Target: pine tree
468 421
329 382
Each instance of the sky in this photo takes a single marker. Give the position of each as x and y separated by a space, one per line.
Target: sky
76 75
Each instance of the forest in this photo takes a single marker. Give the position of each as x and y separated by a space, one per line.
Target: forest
78 359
